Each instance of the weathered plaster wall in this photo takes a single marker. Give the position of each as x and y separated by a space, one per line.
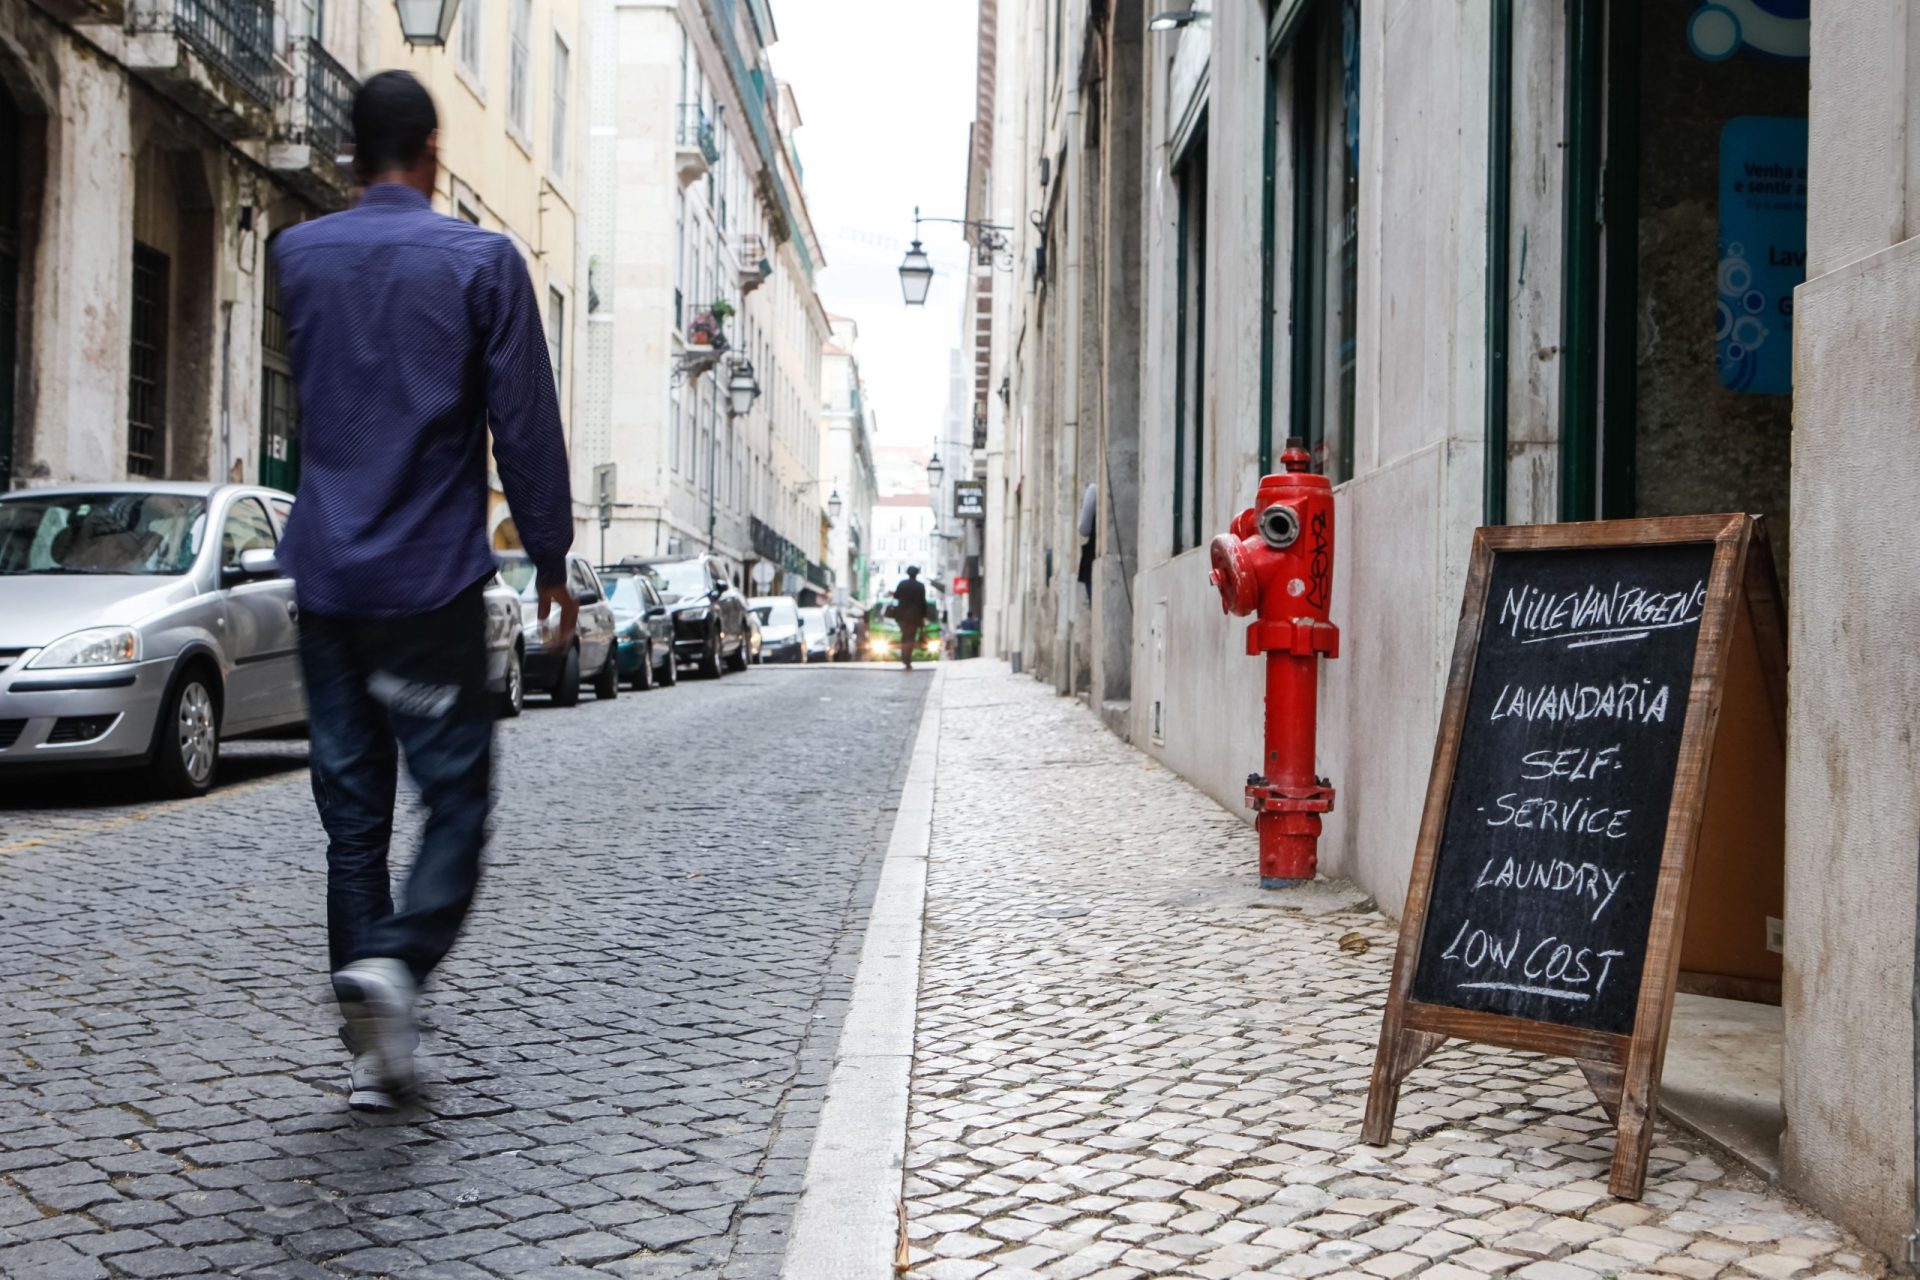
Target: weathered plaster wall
1853 811
1853 806
1405 520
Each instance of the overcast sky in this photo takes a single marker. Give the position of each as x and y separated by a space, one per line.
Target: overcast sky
886 92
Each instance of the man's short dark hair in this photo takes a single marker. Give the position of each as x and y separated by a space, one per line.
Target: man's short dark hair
393 117
913 571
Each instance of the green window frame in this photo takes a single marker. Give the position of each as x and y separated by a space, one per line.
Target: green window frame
1190 341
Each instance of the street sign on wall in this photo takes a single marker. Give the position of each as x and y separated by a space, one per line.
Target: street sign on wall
969 499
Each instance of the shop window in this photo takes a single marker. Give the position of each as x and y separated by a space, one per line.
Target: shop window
1316 131
1190 342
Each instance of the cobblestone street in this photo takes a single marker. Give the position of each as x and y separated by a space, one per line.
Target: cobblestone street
1130 1063
623 1059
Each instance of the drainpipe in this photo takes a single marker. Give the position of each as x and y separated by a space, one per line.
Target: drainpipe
1072 175
1499 231
1913 1237
226 391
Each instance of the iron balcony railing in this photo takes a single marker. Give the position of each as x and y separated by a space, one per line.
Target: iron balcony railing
696 130
329 100
235 36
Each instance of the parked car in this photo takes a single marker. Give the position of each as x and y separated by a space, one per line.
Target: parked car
644 651
826 642
843 628
590 655
506 654
883 633
754 638
780 636
130 638
708 612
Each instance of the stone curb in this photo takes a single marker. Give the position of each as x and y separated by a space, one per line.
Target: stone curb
847 1221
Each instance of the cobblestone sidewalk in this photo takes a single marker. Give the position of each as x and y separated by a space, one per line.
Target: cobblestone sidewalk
1126 1066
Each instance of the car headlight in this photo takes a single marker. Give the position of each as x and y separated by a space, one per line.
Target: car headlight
693 615
94 647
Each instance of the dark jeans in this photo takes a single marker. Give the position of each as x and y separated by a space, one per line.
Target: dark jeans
909 638
378 689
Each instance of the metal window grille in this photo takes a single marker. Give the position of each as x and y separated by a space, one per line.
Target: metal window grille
234 35
330 90
696 130
146 390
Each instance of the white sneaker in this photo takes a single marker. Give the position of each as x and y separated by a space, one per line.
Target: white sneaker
367 1088
376 998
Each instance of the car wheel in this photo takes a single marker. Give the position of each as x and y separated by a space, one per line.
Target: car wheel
710 665
566 690
514 697
606 682
187 738
642 679
670 674
738 662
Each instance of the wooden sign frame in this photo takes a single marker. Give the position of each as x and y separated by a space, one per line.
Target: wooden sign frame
1624 1070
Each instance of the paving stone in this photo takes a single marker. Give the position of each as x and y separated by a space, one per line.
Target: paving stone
1102 992
651 986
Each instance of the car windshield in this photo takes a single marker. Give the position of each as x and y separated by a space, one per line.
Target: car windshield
101 533
777 613
518 572
679 579
626 595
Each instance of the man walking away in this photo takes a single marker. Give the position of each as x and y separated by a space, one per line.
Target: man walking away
412 333
910 611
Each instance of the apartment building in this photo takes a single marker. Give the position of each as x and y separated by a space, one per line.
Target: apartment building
508 85
703 406
148 153
1492 263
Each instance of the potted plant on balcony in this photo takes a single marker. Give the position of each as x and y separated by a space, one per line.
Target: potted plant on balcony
721 309
702 329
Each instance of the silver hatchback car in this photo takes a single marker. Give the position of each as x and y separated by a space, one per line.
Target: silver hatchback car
141 624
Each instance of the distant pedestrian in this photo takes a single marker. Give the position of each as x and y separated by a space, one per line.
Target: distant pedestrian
413 334
910 611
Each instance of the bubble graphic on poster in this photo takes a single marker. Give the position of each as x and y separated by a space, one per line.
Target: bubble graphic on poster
1763 250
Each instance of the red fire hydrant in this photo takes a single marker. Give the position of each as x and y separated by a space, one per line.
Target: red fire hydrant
1278 559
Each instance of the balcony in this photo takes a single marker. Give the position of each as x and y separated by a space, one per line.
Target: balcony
696 148
756 267
315 127
111 13
213 57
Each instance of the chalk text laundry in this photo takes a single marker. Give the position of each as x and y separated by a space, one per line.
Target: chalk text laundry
1555 875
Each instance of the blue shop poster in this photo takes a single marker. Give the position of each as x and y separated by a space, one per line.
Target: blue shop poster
1763 250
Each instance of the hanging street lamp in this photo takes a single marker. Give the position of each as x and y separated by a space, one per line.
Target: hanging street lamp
426 22
936 472
916 276
916 272
834 506
743 388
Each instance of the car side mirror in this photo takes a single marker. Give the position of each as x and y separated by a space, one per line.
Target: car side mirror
715 591
658 611
586 598
260 562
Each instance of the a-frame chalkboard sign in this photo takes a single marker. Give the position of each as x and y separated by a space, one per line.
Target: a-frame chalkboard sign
1550 883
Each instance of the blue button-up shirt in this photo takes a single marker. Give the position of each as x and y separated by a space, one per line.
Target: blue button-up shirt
411 333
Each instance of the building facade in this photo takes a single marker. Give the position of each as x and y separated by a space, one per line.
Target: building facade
508 86
701 268
846 461
1491 263
148 153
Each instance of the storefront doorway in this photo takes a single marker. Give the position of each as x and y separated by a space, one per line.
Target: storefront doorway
1685 185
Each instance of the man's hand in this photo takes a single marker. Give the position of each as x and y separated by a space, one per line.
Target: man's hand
562 633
